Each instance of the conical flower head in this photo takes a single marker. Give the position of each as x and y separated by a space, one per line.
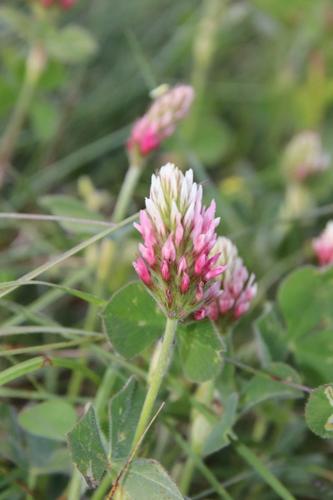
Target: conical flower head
304 156
238 287
161 119
323 245
177 263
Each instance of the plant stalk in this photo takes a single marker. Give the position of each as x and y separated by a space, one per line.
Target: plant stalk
157 371
120 210
156 376
35 65
200 427
126 192
74 490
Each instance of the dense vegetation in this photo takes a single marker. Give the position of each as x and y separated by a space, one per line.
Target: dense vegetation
244 409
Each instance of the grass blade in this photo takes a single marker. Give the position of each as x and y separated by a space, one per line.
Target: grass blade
263 471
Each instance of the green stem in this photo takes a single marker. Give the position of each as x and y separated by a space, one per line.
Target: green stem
187 475
34 67
105 389
74 490
75 383
120 210
263 471
126 192
44 300
91 316
48 347
64 256
103 488
157 373
123 200
6 392
39 362
32 480
204 48
92 312
205 471
77 377
256 371
199 428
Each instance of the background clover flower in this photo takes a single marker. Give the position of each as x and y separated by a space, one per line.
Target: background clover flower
161 119
238 287
323 245
64 4
304 156
177 263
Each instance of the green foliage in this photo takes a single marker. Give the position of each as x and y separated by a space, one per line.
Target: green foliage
81 43
319 411
87 445
11 445
218 436
52 419
147 476
262 72
125 409
314 355
271 337
212 142
46 456
305 298
262 387
132 320
264 472
199 351
16 21
88 449
45 118
71 207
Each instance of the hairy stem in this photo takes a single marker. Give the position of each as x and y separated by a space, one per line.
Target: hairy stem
156 375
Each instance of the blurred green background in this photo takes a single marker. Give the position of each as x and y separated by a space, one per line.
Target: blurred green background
262 72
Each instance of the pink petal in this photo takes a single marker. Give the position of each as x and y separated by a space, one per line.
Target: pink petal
142 271
185 283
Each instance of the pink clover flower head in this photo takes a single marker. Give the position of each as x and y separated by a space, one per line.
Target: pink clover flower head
161 119
304 156
237 287
67 4
323 245
177 262
64 4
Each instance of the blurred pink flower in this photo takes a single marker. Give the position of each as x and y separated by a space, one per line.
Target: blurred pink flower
238 288
304 156
323 245
64 4
177 263
67 4
161 119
